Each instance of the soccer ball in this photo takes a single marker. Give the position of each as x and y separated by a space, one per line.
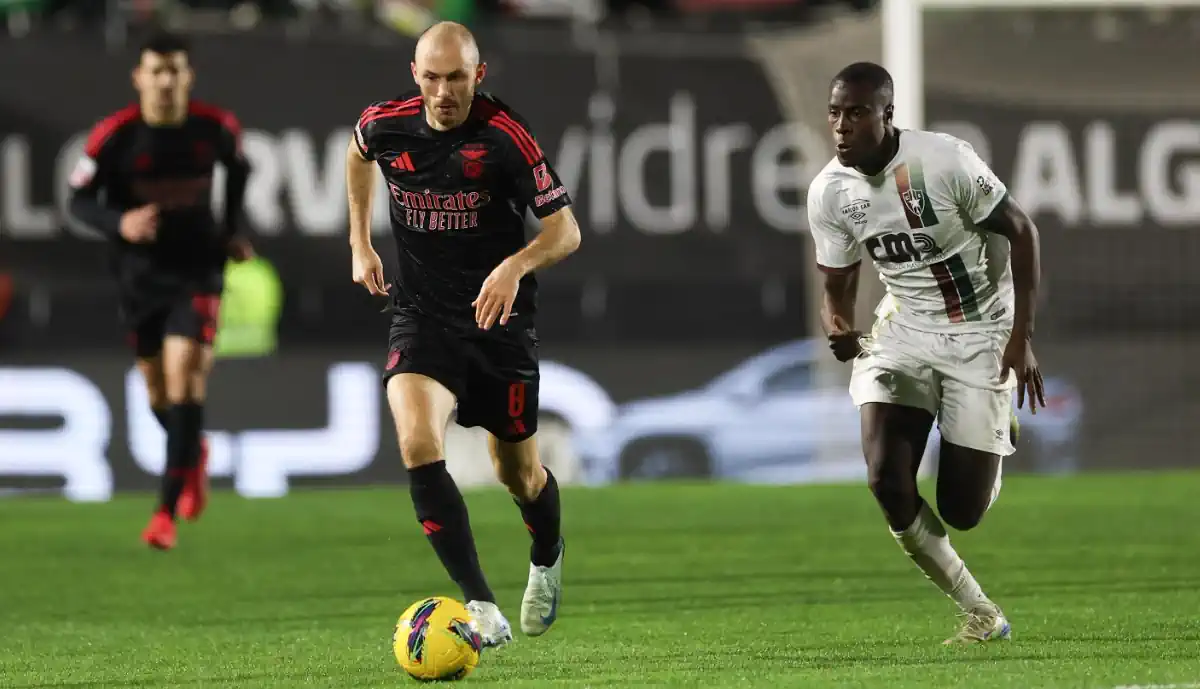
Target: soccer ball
434 640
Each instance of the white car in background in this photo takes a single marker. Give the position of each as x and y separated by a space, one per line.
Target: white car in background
769 420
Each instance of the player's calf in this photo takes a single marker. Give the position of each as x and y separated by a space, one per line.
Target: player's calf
420 407
156 387
535 491
966 485
185 366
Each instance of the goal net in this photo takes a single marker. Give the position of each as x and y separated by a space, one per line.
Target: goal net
1091 113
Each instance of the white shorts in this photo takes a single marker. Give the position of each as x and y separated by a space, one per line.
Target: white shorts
955 377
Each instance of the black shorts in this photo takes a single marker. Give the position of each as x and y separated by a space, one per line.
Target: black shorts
493 375
190 315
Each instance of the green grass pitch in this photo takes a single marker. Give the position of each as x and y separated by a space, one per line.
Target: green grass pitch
666 585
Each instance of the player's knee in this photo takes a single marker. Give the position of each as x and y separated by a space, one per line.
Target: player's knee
532 479
885 484
891 491
896 494
960 511
197 388
525 482
518 468
156 385
176 392
418 448
960 515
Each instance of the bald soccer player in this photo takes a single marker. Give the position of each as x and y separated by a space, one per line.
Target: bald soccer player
461 169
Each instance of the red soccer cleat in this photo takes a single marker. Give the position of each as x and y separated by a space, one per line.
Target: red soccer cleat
160 532
194 497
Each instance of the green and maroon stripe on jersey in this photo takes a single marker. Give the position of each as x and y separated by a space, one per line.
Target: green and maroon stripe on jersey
910 184
962 302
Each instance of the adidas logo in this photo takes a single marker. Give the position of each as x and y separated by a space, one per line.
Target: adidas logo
402 162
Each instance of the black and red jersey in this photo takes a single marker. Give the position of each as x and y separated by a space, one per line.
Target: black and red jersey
128 163
458 200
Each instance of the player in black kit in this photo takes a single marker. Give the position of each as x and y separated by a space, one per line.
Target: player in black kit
462 168
145 183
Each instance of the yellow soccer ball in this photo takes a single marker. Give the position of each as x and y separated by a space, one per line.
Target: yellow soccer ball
434 640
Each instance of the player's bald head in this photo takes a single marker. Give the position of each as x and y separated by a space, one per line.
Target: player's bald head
447 69
448 42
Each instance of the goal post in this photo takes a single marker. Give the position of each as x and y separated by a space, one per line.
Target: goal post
903 43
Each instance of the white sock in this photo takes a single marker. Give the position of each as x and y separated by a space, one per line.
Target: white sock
997 484
929 547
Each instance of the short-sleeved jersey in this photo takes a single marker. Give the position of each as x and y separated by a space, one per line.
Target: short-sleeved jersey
132 163
458 201
918 220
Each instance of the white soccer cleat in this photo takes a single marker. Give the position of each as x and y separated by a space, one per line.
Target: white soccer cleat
489 622
984 623
543 593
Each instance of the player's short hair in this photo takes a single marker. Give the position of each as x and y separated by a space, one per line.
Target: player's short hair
164 43
867 74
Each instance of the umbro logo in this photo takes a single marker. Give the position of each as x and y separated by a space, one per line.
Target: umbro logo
856 210
402 162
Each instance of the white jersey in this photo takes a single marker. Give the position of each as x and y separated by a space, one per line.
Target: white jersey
918 221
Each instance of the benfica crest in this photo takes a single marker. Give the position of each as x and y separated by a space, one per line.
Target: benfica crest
473 155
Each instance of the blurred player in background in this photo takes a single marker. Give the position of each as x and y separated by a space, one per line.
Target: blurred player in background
953 333
461 169
145 182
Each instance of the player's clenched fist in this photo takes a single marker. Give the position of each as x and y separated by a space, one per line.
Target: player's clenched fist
844 341
368 271
140 225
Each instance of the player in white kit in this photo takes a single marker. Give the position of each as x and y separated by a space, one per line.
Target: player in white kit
952 336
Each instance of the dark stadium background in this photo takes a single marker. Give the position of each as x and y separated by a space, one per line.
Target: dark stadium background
659 301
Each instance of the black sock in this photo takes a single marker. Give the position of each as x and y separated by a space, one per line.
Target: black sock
175 473
443 515
160 413
192 429
184 425
543 518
